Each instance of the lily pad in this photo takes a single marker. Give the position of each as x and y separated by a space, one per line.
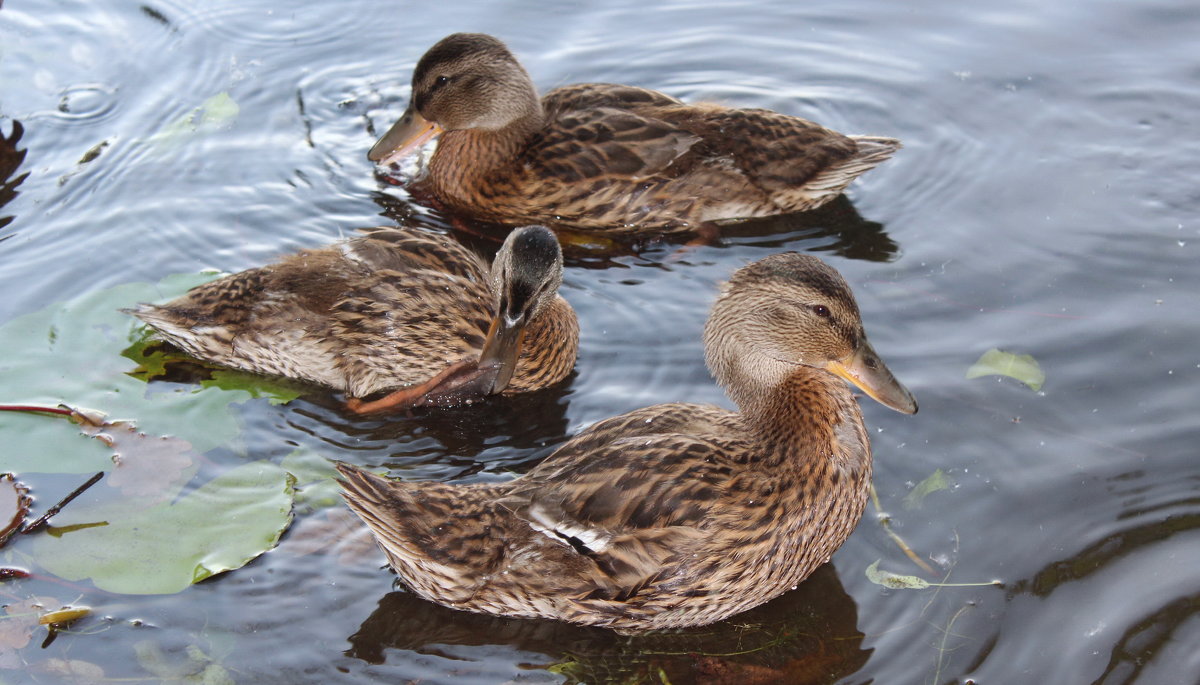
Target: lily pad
996 362
276 390
71 352
316 484
163 549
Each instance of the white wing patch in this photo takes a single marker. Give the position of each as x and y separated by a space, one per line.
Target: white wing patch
594 540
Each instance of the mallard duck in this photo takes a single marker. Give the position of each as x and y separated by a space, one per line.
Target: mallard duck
403 310
606 157
677 514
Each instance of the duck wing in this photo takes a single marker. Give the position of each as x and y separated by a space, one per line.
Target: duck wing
579 145
635 503
423 304
583 96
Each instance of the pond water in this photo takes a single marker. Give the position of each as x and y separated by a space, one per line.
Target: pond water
1045 203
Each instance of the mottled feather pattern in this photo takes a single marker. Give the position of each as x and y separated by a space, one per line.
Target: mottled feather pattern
389 309
614 158
673 515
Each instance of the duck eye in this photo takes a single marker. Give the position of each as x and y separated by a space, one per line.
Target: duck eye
821 310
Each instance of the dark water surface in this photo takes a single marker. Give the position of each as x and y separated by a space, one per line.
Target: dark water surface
1045 203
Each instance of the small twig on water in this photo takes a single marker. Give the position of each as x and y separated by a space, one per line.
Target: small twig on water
65 501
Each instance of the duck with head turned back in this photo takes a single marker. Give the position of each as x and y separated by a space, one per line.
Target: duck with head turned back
407 311
677 514
605 157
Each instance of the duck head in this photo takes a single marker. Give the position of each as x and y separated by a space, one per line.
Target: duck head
465 81
526 274
791 310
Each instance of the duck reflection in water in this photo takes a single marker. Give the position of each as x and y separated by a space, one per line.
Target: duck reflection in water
806 636
10 160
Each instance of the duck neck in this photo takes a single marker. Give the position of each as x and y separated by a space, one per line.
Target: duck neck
801 417
468 158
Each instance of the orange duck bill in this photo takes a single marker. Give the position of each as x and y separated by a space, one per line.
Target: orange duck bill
867 372
405 136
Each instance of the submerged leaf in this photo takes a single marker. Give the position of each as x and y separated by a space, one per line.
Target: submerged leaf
217 112
151 470
161 550
1022 367
18 623
894 580
936 481
71 670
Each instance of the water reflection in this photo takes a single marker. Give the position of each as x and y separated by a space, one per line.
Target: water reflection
836 228
10 161
809 635
520 428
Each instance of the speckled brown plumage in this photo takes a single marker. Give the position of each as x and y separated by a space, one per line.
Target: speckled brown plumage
390 310
609 157
677 514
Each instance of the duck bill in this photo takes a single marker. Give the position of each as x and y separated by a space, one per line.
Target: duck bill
501 349
868 373
405 136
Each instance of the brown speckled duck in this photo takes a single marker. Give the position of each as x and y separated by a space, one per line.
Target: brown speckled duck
678 514
605 157
402 310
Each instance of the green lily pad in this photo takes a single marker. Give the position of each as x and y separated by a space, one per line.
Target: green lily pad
316 484
218 527
276 390
72 353
1022 367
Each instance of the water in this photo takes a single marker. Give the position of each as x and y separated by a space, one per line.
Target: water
1045 203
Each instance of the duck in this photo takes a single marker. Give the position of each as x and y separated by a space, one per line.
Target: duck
674 515
406 313
607 158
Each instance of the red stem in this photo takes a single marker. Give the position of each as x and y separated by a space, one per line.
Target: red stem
31 408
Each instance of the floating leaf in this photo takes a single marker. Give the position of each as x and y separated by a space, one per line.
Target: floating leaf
161 550
14 505
894 580
72 351
1022 367
63 616
936 481
276 390
316 487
